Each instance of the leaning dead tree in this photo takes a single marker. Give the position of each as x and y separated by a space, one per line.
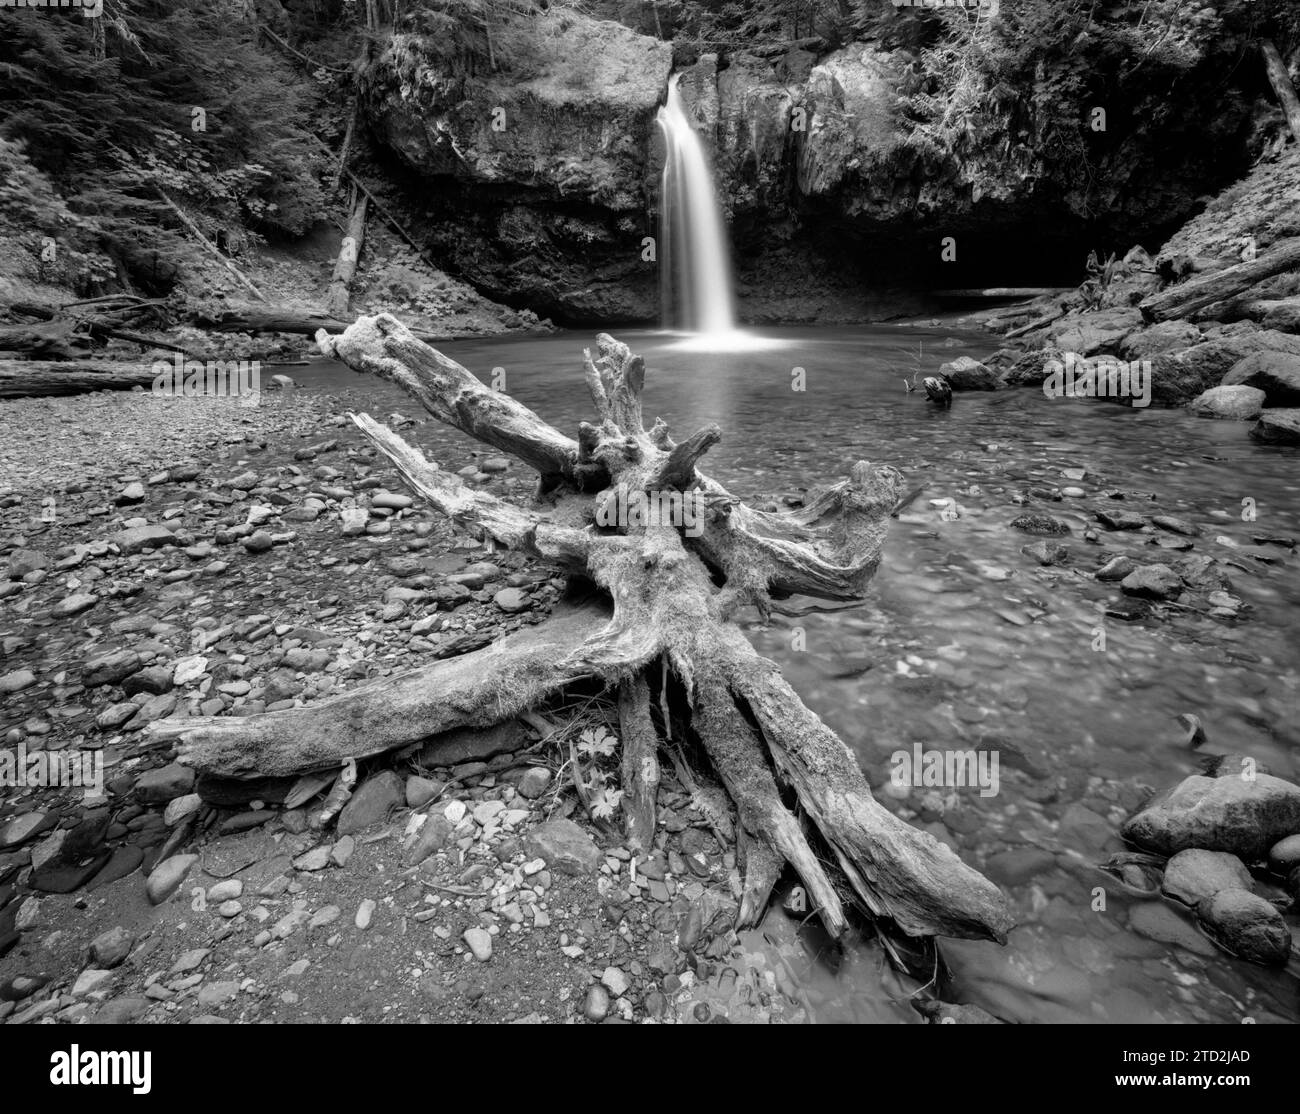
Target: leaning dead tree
799 793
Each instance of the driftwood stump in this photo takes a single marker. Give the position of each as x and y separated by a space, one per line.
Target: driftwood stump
669 590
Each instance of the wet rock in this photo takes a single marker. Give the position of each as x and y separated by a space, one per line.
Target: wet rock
1195 874
1117 568
565 847
966 374
1284 855
479 941
1019 865
110 669
1153 582
16 681
372 802
1047 552
1121 520
1039 524
1202 574
1247 926
1239 403
110 948
1278 427
1157 921
1176 525
154 681
167 876
159 786
1239 815
1277 374
258 542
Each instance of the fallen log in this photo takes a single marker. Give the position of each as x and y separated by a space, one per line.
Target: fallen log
1218 286
49 378
671 581
96 327
1280 79
336 300
54 340
208 245
284 319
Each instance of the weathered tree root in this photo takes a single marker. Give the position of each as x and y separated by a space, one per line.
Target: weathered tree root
671 593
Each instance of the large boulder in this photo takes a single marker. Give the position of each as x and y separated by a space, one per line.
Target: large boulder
1277 374
541 169
965 374
1195 874
1166 336
1091 334
1239 402
1179 378
1239 815
1278 427
1247 926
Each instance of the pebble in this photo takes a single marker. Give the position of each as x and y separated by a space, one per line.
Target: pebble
365 911
110 948
167 876
479 942
596 1005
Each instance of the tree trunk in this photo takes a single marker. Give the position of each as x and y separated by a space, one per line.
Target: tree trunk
28 379
336 301
1217 286
211 248
54 340
1280 79
670 582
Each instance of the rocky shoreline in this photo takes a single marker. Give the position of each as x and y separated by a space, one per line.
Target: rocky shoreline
161 565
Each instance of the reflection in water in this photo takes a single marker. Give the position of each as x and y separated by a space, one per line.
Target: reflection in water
966 642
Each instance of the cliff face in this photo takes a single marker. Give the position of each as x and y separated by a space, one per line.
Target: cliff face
537 184
541 181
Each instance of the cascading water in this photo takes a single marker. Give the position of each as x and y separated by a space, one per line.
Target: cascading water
696 261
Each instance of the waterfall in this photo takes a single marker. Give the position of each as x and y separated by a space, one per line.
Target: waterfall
696 263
